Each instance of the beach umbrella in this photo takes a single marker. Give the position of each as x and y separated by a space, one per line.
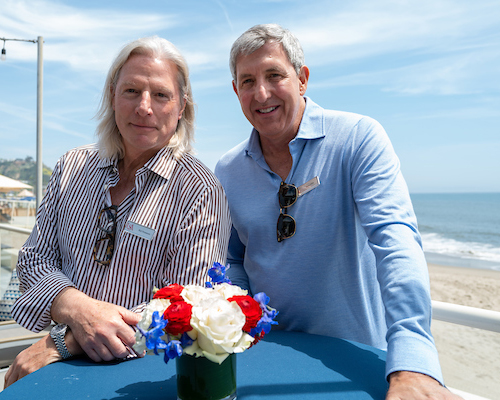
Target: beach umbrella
11 185
26 193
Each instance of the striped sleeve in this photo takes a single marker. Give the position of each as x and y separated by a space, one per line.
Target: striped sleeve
39 264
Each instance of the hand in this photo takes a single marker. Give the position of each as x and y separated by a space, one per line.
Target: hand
405 385
103 330
38 355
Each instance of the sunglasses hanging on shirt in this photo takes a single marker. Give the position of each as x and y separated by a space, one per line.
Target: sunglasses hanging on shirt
287 196
105 246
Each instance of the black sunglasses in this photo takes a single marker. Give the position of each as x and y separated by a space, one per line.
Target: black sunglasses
287 196
106 222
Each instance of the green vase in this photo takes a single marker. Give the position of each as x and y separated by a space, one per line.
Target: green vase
201 379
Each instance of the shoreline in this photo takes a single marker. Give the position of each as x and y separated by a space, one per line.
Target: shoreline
473 287
439 259
468 356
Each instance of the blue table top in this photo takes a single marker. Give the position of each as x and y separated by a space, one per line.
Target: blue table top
285 365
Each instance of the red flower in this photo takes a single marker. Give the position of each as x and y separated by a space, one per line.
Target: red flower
178 315
250 308
171 292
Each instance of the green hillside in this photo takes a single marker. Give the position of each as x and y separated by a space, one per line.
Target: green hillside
23 170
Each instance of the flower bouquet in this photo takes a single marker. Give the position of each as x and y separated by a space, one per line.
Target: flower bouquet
212 322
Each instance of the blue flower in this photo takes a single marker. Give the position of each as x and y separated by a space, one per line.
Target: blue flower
217 274
262 299
268 315
155 332
174 349
186 340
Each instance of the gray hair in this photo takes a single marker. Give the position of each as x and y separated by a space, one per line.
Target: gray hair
109 138
257 36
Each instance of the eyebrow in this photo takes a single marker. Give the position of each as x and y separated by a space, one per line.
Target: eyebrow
271 69
160 88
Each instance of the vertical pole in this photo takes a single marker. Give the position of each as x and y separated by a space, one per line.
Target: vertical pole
39 108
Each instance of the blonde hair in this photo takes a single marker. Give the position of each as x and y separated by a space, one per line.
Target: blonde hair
109 138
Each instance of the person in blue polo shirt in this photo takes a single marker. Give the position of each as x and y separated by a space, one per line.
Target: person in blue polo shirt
322 217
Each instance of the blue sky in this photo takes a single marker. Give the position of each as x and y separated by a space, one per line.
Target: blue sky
428 70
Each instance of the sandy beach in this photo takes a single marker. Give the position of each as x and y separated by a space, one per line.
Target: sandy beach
470 358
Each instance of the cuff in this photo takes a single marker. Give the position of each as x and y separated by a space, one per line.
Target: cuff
414 354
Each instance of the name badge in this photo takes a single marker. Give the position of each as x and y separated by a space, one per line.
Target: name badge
308 186
139 230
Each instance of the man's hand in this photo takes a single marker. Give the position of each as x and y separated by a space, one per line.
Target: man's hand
103 330
38 355
405 385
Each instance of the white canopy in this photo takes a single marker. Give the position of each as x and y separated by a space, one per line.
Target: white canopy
11 185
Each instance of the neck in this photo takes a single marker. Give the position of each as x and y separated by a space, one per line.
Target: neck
127 168
277 156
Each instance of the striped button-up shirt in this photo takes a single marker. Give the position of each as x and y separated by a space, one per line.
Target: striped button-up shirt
178 202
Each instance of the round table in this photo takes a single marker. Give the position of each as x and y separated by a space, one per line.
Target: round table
285 365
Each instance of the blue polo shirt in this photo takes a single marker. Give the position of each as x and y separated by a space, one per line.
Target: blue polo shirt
355 268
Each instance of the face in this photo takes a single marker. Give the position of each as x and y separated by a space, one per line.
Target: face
270 92
147 104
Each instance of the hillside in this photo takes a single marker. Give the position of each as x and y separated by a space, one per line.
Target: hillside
23 170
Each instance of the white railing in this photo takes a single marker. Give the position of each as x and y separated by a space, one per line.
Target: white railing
17 212
468 316
12 238
16 229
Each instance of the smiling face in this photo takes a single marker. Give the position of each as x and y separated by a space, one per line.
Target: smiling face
147 104
270 92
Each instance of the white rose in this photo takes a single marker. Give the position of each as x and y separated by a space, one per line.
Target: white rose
219 324
227 291
195 294
159 305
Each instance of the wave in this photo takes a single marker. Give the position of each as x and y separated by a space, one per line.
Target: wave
436 243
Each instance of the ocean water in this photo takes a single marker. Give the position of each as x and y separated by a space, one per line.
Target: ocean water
460 229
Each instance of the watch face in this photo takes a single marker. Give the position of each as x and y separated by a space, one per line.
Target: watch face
59 329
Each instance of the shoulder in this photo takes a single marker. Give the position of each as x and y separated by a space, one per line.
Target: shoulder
79 157
350 121
89 151
232 159
192 171
338 123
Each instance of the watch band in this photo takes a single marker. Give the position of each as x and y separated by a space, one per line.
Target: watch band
57 333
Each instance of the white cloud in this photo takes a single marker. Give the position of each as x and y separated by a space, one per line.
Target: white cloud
470 72
87 39
366 28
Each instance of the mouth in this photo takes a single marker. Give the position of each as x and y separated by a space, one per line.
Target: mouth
140 126
267 110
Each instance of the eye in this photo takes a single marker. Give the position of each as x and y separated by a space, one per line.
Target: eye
246 82
163 96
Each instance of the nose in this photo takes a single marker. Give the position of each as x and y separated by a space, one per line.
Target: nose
262 93
144 107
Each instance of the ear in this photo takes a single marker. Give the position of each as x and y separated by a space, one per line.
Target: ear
303 78
235 88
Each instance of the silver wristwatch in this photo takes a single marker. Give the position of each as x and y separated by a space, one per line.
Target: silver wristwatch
57 333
